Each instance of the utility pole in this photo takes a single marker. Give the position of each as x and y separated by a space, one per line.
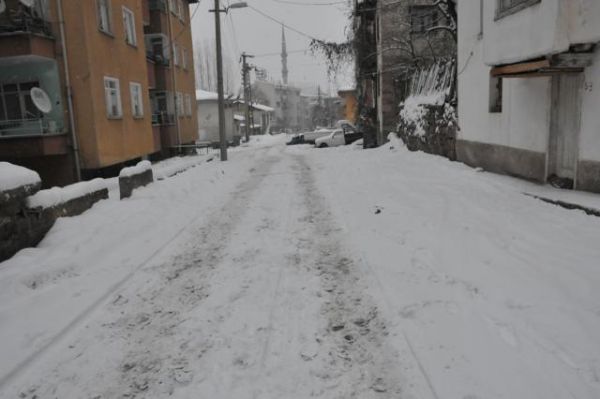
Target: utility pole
247 94
222 133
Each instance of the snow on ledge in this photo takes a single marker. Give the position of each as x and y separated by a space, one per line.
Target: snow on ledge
13 176
59 195
138 169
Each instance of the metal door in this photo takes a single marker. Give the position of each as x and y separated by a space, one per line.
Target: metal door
565 126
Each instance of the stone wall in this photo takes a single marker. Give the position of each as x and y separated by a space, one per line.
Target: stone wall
434 131
135 177
22 226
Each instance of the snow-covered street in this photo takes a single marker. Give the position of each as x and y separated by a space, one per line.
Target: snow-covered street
295 272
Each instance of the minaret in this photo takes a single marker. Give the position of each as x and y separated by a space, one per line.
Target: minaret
284 56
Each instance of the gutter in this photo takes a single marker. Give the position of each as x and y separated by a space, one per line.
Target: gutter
74 142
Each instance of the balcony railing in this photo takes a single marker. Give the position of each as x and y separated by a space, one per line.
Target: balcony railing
158 5
163 118
24 23
27 127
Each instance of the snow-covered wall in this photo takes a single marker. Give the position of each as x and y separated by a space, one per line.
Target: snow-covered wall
547 27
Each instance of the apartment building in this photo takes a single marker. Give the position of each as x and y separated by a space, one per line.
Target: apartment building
528 89
102 82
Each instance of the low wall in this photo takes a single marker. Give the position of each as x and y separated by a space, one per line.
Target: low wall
26 214
135 177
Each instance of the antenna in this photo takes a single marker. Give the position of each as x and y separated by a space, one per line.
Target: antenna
27 3
41 100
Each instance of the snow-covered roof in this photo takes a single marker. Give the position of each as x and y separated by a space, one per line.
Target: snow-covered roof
203 95
260 107
13 176
239 117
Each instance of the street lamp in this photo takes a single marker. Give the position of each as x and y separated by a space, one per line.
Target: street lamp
222 134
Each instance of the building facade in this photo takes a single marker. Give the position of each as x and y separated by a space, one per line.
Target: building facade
528 89
285 100
98 76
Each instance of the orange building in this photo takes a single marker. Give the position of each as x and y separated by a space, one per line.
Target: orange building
350 104
119 76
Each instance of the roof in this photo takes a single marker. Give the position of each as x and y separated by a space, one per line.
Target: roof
258 106
203 95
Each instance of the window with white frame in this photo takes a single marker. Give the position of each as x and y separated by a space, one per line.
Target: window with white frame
173 6
184 58
180 9
188 105
179 104
129 23
507 7
176 54
104 20
137 101
112 94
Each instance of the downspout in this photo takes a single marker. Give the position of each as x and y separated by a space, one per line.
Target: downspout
480 35
173 73
74 142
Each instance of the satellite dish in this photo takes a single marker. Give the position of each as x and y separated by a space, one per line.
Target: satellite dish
2 6
41 100
27 3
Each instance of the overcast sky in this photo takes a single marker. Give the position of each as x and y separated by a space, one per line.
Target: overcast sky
247 30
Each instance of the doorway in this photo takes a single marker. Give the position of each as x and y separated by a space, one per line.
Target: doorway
565 124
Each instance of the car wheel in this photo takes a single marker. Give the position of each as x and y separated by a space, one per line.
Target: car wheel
323 145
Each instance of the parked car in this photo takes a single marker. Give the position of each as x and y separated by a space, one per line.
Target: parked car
338 138
296 139
310 137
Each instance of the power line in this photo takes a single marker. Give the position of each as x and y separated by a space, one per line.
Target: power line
283 23
296 3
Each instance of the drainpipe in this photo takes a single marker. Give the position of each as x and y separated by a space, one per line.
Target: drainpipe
173 73
74 143
480 35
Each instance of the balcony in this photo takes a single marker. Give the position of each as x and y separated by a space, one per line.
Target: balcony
158 5
28 127
163 118
24 34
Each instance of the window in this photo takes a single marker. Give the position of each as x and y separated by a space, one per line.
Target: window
184 58
137 102
158 48
173 6
16 103
188 105
507 7
495 95
423 18
104 20
112 94
179 104
175 54
129 22
180 9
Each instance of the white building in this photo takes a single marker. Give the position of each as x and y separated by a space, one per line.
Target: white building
529 89
208 118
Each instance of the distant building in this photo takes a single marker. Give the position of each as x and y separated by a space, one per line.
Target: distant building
528 102
262 115
100 77
285 100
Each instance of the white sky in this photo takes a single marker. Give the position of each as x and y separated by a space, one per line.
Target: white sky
247 30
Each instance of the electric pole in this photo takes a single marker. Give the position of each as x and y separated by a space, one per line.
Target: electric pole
222 133
247 93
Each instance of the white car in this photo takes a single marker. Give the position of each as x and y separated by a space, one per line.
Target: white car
334 139
311 137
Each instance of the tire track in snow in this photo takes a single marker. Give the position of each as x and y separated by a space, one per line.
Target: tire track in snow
144 311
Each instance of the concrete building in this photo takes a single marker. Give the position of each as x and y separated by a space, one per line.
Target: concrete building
208 118
528 98
98 78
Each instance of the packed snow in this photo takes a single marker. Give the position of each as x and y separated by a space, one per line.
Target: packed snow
295 272
59 195
141 167
13 176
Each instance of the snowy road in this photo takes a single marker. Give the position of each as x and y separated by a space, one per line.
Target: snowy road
310 273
